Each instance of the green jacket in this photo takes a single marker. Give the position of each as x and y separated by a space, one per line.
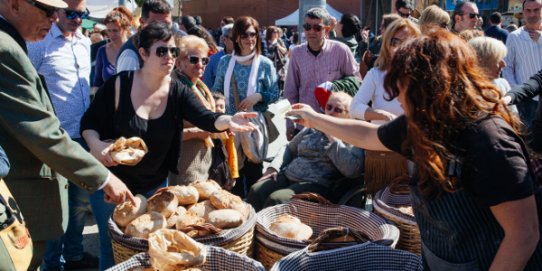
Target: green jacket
42 155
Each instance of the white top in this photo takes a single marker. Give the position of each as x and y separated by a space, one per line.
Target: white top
372 89
524 58
128 61
504 87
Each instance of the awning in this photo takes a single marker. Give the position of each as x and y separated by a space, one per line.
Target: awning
293 18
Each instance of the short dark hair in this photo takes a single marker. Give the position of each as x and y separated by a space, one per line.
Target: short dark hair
351 24
155 31
218 96
228 20
318 13
199 20
402 4
155 6
495 18
458 10
188 22
240 27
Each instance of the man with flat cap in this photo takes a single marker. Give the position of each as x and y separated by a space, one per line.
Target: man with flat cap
42 155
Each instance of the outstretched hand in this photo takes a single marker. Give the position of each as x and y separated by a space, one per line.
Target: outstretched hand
240 122
304 112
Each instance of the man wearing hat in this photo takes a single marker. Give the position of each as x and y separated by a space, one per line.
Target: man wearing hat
42 155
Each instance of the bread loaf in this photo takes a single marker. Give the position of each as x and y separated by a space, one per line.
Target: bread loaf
164 202
225 218
128 151
125 212
187 220
142 226
290 227
206 188
185 194
201 209
171 250
172 220
225 200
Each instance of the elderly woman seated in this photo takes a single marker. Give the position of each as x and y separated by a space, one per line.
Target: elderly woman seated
311 162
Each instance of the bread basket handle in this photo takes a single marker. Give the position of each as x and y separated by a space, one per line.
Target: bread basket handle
331 239
312 197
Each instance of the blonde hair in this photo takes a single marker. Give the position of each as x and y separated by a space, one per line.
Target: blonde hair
433 15
190 42
469 34
383 62
490 51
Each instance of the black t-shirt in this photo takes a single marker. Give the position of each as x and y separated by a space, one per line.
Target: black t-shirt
495 168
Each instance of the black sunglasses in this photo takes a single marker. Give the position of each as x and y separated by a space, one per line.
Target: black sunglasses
472 15
316 27
248 34
404 15
195 60
336 109
162 51
49 11
73 14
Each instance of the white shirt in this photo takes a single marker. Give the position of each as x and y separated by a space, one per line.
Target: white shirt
128 61
524 57
372 89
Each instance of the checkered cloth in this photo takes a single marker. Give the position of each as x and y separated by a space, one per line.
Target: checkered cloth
397 205
218 239
217 259
320 217
366 256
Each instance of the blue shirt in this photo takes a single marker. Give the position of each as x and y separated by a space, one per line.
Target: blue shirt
65 64
266 82
210 71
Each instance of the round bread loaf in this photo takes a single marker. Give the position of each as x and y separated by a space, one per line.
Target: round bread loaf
187 220
291 227
171 250
185 194
172 220
201 209
225 218
164 202
128 151
142 226
125 212
206 188
223 199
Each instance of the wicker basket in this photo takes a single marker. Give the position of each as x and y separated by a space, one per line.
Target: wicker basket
237 239
381 168
217 259
386 204
271 248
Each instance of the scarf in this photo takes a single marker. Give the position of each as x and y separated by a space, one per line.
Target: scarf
251 89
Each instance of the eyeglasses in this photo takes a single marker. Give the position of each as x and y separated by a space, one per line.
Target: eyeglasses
394 42
404 15
472 15
49 11
195 60
162 51
248 34
336 109
316 27
73 14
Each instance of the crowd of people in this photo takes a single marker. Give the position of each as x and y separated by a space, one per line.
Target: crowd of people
457 102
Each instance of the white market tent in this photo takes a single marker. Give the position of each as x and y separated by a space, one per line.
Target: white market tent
293 18
99 8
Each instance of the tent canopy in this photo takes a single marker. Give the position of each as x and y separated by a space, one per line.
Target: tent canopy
293 18
99 8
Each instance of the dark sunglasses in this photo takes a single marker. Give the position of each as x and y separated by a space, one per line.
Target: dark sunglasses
404 15
73 14
162 51
395 42
336 109
195 60
472 15
49 11
316 27
248 34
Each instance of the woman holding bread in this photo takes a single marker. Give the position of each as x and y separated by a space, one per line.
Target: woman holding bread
475 199
148 104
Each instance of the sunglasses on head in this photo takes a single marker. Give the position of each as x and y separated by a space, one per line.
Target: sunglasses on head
73 14
316 27
162 51
49 11
248 34
336 109
195 60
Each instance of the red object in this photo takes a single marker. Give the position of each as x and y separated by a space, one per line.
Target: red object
322 95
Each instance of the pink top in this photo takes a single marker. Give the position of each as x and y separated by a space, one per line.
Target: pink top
306 71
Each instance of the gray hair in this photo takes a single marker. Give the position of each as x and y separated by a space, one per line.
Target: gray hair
227 29
318 13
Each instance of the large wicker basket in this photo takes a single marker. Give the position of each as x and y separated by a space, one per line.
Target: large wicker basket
217 259
237 239
270 248
393 205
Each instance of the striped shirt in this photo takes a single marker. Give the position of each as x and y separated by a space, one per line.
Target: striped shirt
306 71
524 58
65 64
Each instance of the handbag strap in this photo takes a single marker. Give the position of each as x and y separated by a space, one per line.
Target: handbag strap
235 93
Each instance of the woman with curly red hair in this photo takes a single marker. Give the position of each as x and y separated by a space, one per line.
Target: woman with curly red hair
473 193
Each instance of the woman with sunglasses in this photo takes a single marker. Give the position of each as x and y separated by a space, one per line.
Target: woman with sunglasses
311 162
474 197
196 158
249 81
148 104
118 23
